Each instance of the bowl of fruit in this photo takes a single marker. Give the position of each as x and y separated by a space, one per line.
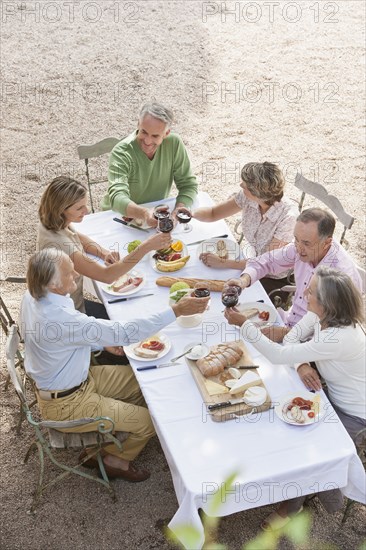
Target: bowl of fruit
171 259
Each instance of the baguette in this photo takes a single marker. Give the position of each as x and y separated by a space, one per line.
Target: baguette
215 285
221 356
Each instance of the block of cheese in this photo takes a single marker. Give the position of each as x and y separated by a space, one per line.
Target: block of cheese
214 388
248 377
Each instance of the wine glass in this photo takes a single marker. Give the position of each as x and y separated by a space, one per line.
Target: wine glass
201 290
165 224
161 211
230 296
184 216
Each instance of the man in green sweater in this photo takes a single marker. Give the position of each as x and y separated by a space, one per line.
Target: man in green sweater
143 166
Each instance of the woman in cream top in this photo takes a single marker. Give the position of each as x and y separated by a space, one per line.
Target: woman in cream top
63 204
337 346
331 335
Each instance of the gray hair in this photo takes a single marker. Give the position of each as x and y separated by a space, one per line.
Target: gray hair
43 271
324 220
339 297
157 110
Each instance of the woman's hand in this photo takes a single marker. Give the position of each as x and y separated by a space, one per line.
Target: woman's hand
234 317
111 258
276 334
158 241
203 214
309 377
212 260
115 350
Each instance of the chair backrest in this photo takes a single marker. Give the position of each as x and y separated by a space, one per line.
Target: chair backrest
95 150
362 274
319 192
12 348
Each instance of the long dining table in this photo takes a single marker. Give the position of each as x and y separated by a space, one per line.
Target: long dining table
272 460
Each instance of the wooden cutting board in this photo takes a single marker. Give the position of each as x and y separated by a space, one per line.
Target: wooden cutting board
231 412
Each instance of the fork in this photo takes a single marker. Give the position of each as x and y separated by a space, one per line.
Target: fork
181 355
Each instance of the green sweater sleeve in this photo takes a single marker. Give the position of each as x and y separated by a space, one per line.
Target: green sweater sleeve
184 179
120 166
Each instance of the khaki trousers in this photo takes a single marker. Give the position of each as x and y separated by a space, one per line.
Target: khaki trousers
110 390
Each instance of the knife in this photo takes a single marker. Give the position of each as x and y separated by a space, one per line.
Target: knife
128 224
157 366
225 404
203 240
129 298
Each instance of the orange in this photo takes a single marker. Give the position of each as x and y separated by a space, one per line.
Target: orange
177 246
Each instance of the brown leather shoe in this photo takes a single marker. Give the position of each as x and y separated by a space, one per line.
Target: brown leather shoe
132 474
92 462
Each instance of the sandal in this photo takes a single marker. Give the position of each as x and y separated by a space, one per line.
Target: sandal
274 521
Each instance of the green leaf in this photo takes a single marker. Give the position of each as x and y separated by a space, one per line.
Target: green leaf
190 535
267 540
298 529
220 496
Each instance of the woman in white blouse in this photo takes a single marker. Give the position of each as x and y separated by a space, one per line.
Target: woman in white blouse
336 345
268 219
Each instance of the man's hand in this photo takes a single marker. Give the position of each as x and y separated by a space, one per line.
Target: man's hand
212 260
115 350
149 218
276 334
243 281
189 305
309 377
234 317
111 258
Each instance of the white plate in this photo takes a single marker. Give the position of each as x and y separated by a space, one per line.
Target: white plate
133 273
138 223
210 246
130 353
261 307
205 351
283 414
184 253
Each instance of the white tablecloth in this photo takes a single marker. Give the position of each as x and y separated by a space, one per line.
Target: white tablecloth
273 460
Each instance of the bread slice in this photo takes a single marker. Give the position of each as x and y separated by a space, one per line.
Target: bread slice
147 353
120 283
249 313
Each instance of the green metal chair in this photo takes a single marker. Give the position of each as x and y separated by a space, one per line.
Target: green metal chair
7 321
318 191
95 150
282 297
48 436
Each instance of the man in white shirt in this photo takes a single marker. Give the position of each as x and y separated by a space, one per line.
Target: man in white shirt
58 342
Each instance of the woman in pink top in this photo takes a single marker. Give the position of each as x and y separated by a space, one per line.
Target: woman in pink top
268 219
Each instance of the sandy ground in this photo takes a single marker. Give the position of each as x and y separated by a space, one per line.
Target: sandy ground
279 81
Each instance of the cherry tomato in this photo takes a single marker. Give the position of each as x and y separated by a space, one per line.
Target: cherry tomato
311 414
